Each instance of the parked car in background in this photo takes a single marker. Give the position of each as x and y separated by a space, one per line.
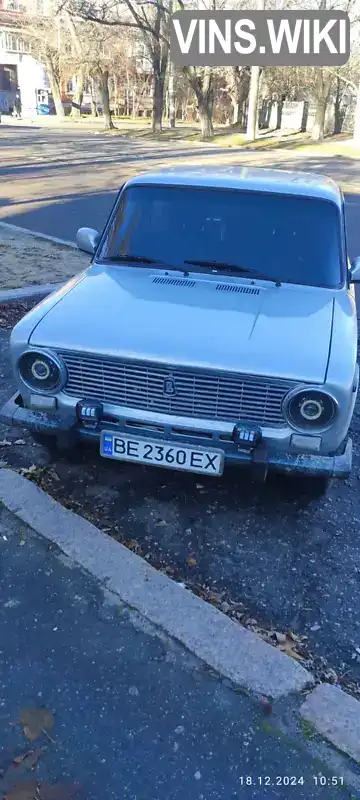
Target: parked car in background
215 325
43 109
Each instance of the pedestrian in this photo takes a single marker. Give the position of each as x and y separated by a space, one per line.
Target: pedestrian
17 104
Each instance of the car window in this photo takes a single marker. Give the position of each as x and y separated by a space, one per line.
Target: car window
294 239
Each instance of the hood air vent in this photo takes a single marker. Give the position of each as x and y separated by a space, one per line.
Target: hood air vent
220 287
174 281
234 287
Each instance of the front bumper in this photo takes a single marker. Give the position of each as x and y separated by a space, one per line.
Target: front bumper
67 429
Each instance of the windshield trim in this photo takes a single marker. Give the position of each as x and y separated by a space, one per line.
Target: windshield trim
342 251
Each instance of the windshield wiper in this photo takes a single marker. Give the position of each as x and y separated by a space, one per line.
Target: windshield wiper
234 269
129 259
132 259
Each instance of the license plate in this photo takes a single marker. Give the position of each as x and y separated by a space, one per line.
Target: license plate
161 454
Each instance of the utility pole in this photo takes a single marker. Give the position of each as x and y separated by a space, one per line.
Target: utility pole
251 128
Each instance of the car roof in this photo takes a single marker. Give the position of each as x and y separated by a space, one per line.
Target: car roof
290 182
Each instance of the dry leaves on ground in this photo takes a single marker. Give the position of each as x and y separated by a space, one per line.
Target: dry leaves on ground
292 648
18 768
35 790
29 759
36 721
26 790
11 313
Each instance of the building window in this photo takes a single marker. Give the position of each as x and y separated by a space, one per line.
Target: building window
13 44
14 5
8 78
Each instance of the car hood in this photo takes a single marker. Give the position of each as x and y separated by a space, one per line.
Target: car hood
205 321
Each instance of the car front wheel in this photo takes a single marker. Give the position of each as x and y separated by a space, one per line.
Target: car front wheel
315 486
44 440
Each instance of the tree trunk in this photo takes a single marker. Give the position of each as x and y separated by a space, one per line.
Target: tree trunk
159 50
158 102
104 89
78 96
322 91
338 115
251 128
202 86
279 110
54 81
318 128
205 117
94 111
356 135
239 90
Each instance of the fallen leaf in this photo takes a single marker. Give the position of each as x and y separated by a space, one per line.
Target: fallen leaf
133 545
191 561
61 791
4 443
26 790
267 706
214 597
225 607
35 721
53 474
295 637
28 470
288 648
19 441
28 759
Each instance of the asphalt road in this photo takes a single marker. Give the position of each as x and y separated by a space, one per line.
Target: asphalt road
135 716
292 561
55 182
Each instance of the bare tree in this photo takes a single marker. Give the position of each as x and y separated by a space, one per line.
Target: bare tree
151 18
80 70
238 88
45 36
322 89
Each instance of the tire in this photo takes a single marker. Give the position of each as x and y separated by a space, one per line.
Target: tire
315 487
54 446
49 442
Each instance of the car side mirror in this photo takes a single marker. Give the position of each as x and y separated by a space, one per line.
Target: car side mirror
355 270
87 239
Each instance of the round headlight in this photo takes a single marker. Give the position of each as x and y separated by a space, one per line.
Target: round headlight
40 371
311 409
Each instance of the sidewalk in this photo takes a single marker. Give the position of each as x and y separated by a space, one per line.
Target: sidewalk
135 716
27 259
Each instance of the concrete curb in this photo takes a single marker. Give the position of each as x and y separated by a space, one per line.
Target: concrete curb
336 716
38 290
227 647
37 234
28 292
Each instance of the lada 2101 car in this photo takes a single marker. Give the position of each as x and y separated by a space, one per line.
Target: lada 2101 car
215 324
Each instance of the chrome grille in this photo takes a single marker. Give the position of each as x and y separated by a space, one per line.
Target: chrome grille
204 394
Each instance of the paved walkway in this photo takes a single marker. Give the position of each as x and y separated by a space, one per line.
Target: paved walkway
135 716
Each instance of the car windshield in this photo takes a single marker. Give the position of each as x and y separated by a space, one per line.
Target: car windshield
291 239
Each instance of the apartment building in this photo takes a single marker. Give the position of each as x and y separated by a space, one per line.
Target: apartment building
18 68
